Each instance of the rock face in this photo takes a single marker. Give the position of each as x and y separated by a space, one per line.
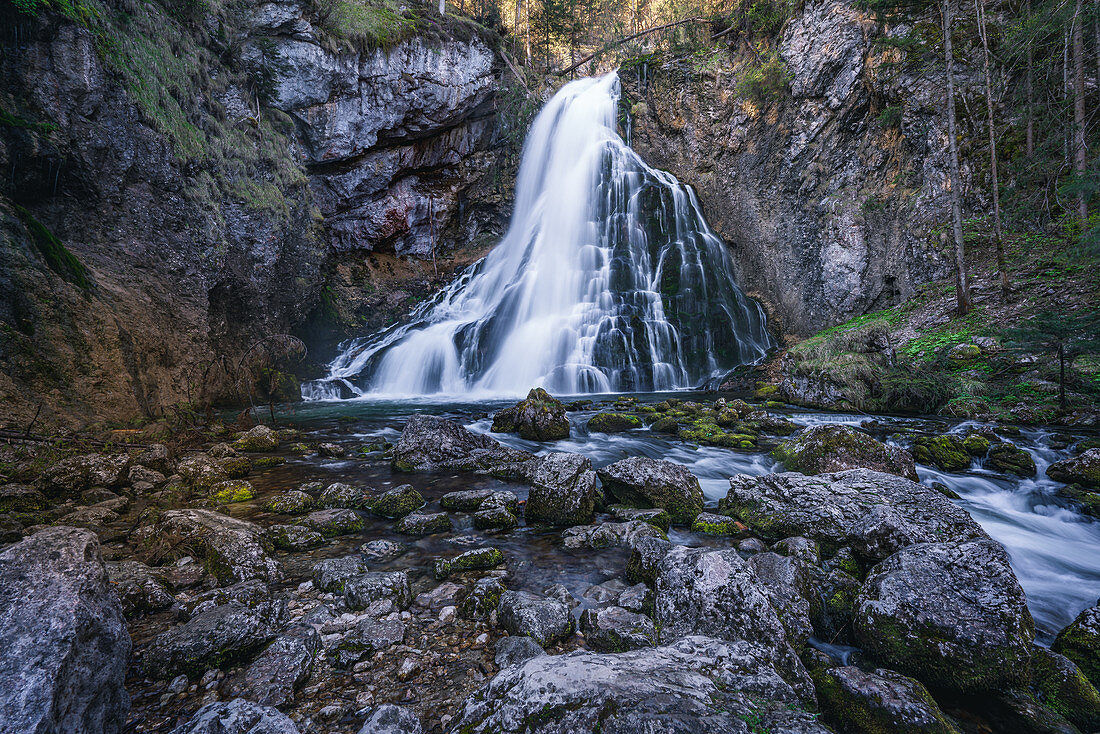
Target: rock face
64 638
429 443
698 685
234 549
1083 469
874 513
645 482
563 490
540 417
951 615
822 449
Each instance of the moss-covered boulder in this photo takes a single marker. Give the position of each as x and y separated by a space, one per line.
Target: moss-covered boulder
976 444
540 417
1083 469
1011 459
945 452
964 355
201 472
711 524
832 448
418 523
260 438
226 493
395 503
478 559
340 495
331 523
1080 642
21 498
883 702
483 598
640 481
613 422
236 466
1063 688
495 517
294 537
294 502
655 516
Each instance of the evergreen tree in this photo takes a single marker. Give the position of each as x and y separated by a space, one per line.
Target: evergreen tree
1068 335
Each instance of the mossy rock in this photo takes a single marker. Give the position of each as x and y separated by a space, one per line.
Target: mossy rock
831 448
666 424
765 391
964 355
613 422
1089 501
1063 688
945 452
711 524
331 523
657 517
294 537
1011 459
294 502
266 462
479 559
395 503
1083 469
1080 642
976 444
883 702
226 493
260 438
236 467
417 523
540 417
496 517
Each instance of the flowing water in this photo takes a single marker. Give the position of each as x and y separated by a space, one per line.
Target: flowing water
608 280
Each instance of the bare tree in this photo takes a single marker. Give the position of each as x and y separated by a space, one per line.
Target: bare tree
962 286
998 236
1079 111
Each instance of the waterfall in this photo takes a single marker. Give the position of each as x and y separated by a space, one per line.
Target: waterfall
607 280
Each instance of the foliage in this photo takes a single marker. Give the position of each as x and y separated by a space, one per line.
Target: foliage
366 24
765 81
54 252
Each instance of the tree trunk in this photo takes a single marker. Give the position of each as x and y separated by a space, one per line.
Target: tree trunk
998 235
1062 376
1029 85
962 286
1079 111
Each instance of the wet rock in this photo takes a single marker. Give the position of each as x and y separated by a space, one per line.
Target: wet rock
946 452
832 448
332 573
478 559
430 443
229 492
804 549
253 595
539 417
331 450
613 422
716 593
695 686
951 615
614 629
656 517
259 438
883 701
467 500
559 592
418 523
516 651
610 535
294 502
873 512
140 589
496 517
483 599
395 503
604 593
1064 689
236 466
380 592
542 619
382 550
391 719
340 496
201 472
752 545
21 498
64 638
235 550
1011 459
69 477
711 524
280 670
644 482
789 585
220 637
365 638
1083 469
294 537
444 595
332 523
563 490
237 717
645 560
1080 642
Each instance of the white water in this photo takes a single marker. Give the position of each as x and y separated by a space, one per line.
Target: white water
607 280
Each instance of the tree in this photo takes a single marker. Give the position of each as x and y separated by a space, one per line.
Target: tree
998 237
1079 113
1068 335
962 285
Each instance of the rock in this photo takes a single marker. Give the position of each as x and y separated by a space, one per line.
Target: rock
467 500
236 467
1083 469
951 615
140 473
237 717
234 549
873 512
65 642
539 417
716 593
382 550
367 637
614 629
429 443
294 502
331 523
418 523
1012 459
945 452
445 595
478 559
331 450
201 472
229 492
600 594
789 585
280 670
224 636
69 477
294 538
696 686
140 589
645 560
259 438
711 524
610 535
483 599
332 573
253 595
656 517
380 592
1064 689
804 549
637 598
391 719
155 457
340 496
645 482
516 651
21 498
964 355
563 490
613 422
496 517
883 701
1080 642
832 448
395 503
544 620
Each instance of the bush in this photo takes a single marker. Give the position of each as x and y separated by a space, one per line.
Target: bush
766 81
908 390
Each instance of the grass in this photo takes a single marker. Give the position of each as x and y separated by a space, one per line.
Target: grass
53 251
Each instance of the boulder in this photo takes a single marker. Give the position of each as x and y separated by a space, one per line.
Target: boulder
395 503
563 490
69 477
712 524
237 717
421 523
873 512
224 636
201 472
467 500
883 702
1011 459
696 686
280 670
253 595
259 438
332 573
141 590
340 496
495 517
382 550
1080 642
234 550
229 492
946 452
539 417
610 535
478 559
294 537
367 637
483 599
790 586
21 498
335 522
544 620
516 650
656 517
614 629
951 615
645 560
64 638
391 719
429 443
1064 689
380 592
294 502
832 448
644 482
1083 469
613 422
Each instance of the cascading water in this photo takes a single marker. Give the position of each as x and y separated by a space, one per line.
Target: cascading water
607 280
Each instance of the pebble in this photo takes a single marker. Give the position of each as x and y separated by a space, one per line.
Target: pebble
408 669
305 587
178 685
332 711
448 615
366 698
481 640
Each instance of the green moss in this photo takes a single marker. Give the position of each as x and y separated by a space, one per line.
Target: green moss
976 444
266 462
716 525
236 466
479 559
1065 689
1010 458
290 503
613 422
226 493
946 452
53 251
1081 644
395 503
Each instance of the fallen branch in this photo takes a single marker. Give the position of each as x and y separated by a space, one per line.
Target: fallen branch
515 73
621 41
